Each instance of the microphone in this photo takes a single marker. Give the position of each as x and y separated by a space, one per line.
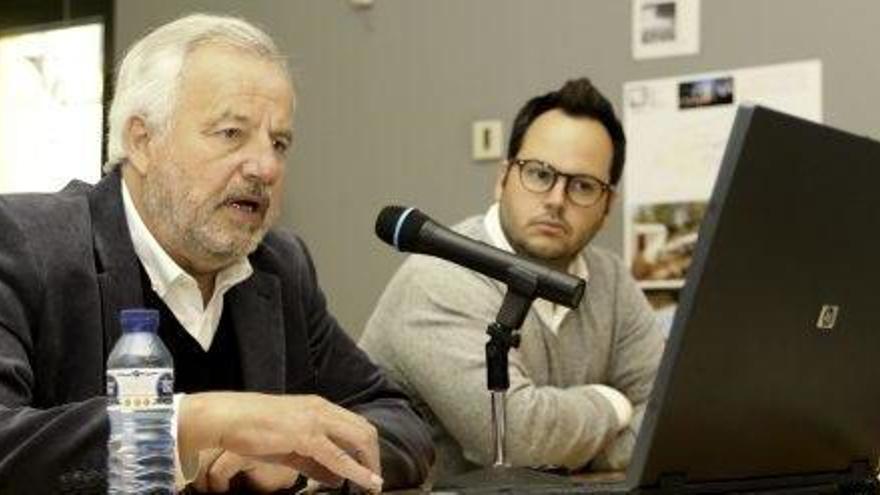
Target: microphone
409 230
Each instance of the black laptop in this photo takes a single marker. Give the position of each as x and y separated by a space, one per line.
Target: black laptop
770 382
771 375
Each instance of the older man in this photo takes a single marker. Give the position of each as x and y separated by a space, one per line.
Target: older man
200 127
581 378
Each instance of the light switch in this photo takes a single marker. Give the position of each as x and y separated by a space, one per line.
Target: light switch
487 140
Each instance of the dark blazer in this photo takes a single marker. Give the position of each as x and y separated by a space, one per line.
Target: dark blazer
67 266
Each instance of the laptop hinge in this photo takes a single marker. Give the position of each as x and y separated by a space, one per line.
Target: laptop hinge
672 482
860 470
858 480
861 479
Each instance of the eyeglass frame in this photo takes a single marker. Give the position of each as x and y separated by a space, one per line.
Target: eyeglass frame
606 187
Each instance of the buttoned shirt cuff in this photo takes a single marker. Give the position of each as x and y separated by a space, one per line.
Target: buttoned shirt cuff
185 467
623 409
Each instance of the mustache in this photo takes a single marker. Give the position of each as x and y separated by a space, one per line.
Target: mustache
252 189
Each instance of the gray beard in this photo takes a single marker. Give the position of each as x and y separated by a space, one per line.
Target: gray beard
188 226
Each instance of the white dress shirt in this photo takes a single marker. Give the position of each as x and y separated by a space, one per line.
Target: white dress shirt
180 292
178 289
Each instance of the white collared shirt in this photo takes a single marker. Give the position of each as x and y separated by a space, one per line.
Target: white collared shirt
180 292
551 314
178 289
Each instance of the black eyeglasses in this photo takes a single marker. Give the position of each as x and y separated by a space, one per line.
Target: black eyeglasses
540 177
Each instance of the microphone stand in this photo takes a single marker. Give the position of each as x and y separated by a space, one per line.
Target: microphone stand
504 334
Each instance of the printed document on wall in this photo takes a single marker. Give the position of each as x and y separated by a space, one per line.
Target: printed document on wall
677 129
665 28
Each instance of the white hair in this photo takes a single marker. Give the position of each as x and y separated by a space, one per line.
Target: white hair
149 76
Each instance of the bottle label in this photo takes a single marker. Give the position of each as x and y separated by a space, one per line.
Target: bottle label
140 389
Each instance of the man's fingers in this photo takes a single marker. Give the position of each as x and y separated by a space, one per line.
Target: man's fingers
343 464
367 455
270 477
308 467
257 472
356 437
339 442
206 460
330 465
344 443
224 469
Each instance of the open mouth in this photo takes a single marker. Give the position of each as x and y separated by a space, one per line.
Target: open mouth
248 205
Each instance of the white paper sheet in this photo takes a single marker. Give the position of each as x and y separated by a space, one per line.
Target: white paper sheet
677 130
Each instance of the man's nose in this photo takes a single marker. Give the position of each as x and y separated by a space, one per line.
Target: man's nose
263 163
556 195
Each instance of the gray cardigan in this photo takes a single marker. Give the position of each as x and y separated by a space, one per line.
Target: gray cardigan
428 332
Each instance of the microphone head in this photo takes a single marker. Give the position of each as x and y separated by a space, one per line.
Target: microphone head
399 226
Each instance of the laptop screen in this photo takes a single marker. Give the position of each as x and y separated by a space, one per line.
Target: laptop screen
772 367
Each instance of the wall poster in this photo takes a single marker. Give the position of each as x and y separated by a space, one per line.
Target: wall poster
677 129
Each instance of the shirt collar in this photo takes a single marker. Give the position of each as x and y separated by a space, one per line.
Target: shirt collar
492 223
160 267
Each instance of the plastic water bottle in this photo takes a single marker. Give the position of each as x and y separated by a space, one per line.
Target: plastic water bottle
140 396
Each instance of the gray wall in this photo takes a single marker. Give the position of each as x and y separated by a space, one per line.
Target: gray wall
387 95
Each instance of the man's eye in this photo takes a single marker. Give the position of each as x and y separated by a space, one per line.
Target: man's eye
543 174
585 186
281 146
231 133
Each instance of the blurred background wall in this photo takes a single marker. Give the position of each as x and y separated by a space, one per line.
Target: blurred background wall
387 95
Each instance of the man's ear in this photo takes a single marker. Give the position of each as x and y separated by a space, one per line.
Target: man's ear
501 178
137 140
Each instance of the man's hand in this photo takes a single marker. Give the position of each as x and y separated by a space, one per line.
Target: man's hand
218 468
306 434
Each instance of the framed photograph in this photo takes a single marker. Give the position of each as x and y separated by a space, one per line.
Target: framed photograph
705 92
665 236
51 93
665 28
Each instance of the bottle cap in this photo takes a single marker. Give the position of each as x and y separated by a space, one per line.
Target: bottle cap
139 320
